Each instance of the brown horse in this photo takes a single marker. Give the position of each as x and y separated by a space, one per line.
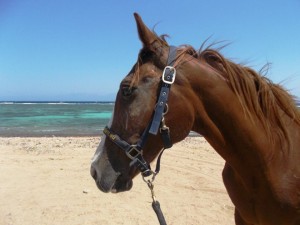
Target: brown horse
251 122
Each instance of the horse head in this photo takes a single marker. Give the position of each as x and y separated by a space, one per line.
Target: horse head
134 108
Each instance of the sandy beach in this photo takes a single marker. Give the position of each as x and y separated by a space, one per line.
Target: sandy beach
47 181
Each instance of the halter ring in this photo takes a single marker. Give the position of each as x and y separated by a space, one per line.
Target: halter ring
133 152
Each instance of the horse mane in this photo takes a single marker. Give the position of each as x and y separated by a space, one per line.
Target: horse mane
255 92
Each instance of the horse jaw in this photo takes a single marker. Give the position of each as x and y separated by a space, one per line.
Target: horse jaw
106 178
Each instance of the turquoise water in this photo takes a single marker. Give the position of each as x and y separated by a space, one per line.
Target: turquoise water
53 119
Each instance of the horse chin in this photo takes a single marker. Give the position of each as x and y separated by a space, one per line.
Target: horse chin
122 184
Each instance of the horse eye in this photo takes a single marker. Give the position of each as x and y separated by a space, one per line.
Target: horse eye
127 91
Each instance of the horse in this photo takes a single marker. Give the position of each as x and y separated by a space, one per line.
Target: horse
252 123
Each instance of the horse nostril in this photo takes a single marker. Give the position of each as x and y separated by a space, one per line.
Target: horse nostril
93 173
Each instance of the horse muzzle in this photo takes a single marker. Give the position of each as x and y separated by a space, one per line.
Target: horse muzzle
110 181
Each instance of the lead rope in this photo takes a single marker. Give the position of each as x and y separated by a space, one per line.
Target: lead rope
155 203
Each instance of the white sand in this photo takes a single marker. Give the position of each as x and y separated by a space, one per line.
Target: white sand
47 181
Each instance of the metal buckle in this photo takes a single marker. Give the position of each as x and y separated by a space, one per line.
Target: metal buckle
164 129
169 79
133 152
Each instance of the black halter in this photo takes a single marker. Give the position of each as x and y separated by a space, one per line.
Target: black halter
135 151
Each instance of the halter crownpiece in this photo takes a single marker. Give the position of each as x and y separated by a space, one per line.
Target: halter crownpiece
135 151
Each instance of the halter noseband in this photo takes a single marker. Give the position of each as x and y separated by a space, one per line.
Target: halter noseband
135 151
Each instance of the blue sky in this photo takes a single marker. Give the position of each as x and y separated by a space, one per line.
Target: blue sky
81 50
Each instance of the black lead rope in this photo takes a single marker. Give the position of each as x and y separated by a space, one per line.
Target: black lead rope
156 205
159 214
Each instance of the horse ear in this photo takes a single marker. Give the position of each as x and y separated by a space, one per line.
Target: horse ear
145 34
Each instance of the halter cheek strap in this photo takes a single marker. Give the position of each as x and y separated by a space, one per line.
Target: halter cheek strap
168 78
135 152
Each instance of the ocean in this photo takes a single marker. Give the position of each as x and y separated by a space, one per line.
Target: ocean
38 119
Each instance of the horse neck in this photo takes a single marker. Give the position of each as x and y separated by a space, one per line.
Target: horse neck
220 118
